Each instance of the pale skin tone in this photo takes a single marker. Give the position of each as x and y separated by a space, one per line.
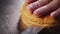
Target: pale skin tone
44 7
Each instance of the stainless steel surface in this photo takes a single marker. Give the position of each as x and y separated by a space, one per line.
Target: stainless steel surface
9 16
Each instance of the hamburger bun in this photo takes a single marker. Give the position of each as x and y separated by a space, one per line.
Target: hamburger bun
29 19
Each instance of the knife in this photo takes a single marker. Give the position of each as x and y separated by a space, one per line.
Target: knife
32 30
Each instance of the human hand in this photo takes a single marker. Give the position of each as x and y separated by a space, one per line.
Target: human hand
44 7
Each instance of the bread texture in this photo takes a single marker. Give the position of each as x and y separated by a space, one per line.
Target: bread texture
30 19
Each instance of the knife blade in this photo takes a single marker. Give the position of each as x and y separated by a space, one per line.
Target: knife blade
32 30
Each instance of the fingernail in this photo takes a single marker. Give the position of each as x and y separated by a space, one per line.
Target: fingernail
37 13
55 15
40 13
30 8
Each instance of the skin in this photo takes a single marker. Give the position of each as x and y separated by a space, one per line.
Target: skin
44 7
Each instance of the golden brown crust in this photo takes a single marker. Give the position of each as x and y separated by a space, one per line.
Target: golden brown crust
29 19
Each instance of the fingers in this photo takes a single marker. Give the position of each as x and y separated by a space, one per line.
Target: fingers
37 4
47 8
30 1
56 14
